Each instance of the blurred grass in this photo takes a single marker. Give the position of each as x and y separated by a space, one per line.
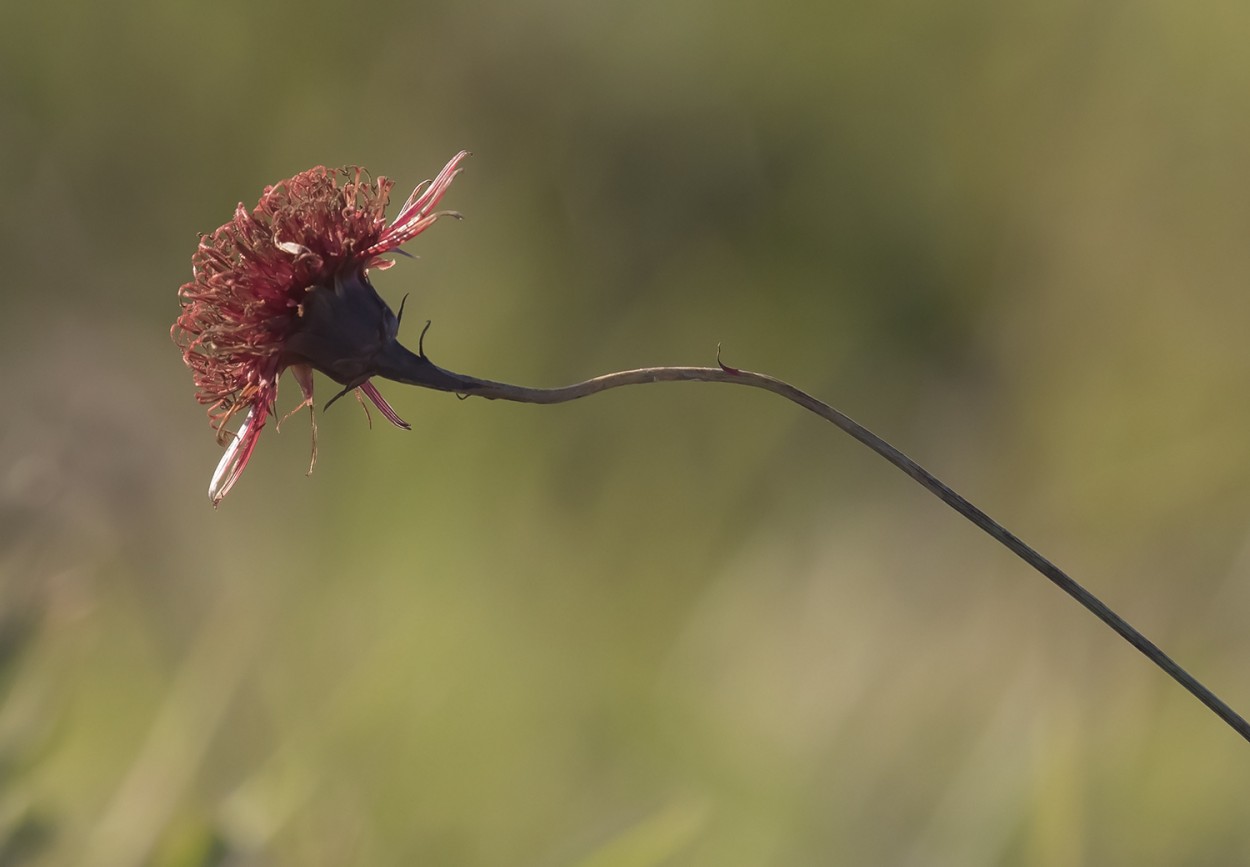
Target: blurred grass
676 625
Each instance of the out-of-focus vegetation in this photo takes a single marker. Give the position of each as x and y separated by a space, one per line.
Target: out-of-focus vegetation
675 624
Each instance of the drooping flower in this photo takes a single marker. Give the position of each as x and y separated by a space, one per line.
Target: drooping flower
285 286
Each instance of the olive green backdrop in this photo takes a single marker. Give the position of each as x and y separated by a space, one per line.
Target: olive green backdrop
671 625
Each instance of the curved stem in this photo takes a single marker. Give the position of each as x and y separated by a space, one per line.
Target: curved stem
471 386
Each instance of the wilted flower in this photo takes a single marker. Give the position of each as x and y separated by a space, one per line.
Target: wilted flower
285 286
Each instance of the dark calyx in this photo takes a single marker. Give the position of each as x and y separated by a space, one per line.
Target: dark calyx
349 333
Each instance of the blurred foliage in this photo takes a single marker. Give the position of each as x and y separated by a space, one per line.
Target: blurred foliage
671 625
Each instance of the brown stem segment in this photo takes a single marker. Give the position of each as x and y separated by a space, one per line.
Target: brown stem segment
447 381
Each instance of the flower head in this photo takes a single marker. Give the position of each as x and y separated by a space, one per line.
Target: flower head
285 286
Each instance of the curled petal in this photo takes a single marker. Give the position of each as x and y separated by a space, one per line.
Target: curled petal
304 376
371 392
418 212
237 455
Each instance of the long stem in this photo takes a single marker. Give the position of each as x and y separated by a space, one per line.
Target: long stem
471 386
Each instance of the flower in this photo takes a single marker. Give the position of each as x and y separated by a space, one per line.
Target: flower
285 286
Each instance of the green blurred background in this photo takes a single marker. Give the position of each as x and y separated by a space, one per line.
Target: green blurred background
680 624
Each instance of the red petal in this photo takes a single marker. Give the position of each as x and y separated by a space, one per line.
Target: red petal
417 213
238 453
371 391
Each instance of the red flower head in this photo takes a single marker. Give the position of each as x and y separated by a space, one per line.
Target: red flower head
286 286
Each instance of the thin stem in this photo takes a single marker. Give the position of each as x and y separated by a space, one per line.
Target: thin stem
472 386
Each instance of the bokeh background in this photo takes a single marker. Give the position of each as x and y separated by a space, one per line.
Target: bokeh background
680 624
